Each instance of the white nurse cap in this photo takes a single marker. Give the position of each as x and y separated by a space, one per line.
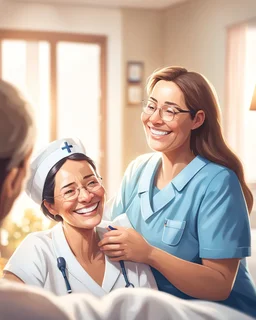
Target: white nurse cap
45 160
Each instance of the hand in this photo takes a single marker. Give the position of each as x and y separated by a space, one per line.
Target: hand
125 244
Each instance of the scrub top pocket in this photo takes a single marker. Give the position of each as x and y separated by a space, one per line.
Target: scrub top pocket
173 231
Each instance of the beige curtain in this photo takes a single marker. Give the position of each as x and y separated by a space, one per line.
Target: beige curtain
235 77
239 122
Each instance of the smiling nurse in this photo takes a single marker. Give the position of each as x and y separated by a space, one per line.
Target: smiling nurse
66 258
188 199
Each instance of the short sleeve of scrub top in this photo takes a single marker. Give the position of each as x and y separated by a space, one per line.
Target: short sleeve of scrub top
28 262
128 189
204 207
223 224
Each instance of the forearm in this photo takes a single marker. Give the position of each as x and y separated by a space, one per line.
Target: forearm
193 279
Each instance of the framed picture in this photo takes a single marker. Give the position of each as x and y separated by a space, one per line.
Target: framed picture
134 71
135 94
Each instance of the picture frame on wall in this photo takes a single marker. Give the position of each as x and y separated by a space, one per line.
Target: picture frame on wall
135 75
135 94
135 71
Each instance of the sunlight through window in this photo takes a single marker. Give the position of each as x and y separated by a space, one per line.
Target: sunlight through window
26 65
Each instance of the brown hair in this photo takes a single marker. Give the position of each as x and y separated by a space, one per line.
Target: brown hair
206 141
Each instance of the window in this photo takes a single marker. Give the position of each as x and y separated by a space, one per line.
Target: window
64 77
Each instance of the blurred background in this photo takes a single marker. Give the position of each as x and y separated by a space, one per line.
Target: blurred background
84 65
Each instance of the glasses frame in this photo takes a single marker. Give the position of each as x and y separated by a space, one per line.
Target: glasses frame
145 102
79 189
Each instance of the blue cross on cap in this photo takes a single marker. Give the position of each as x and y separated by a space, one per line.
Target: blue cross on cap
67 147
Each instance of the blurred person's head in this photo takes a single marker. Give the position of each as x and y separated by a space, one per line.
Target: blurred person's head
17 133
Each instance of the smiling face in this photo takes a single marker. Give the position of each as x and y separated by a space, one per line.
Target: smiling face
168 136
84 211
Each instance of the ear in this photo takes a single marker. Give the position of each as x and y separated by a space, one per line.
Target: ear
11 181
16 177
50 207
198 119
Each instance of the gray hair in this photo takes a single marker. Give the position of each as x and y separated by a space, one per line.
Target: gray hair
17 128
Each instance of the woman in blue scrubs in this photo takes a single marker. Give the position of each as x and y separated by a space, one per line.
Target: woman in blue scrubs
188 201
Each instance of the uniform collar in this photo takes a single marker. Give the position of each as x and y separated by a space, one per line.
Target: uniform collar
62 249
167 194
183 178
179 182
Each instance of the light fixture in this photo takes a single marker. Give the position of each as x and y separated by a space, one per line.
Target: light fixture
253 102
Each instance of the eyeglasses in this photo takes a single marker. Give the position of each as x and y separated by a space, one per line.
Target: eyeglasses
167 112
72 193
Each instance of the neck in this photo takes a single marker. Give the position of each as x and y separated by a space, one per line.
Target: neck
83 242
173 163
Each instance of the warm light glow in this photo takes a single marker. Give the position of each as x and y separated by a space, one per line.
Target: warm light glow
249 142
253 102
14 63
21 204
26 65
78 94
4 237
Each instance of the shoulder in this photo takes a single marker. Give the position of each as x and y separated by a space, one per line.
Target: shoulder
138 164
223 175
37 239
30 260
44 234
220 181
218 174
135 170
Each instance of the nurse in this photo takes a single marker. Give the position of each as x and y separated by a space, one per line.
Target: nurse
188 201
67 258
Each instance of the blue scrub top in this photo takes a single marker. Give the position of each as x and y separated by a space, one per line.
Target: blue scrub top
200 214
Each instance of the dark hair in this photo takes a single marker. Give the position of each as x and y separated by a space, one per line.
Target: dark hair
49 185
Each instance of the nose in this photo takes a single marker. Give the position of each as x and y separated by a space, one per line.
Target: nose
155 117
85 195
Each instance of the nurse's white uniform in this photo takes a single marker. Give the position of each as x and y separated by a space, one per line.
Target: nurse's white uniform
35 262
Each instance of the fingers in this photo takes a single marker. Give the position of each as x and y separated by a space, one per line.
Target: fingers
113 233
109 240
110 247
115 254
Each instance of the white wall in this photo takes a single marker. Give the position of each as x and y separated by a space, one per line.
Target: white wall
142 41
78 19
195 36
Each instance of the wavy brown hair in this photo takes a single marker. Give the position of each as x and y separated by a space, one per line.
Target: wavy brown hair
207 140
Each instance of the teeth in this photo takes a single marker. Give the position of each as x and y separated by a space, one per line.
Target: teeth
159 133
88 209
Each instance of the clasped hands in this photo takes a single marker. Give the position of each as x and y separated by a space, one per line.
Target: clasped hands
125 244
